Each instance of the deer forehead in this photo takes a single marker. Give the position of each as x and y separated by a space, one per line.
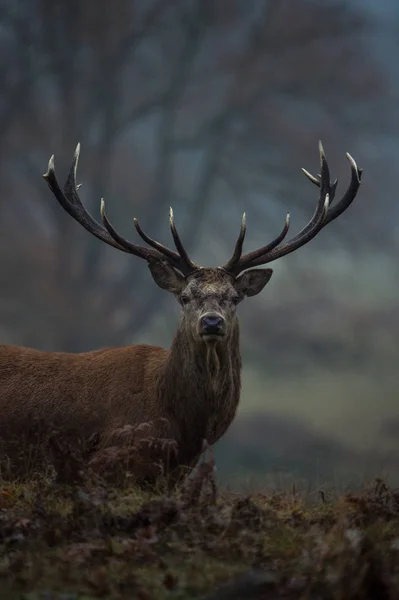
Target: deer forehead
210 289
211 282
211 294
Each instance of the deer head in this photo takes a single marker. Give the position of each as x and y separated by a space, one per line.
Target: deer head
209 296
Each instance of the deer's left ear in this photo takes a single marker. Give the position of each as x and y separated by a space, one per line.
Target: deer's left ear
252 282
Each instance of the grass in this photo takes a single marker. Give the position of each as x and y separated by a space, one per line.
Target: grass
87 540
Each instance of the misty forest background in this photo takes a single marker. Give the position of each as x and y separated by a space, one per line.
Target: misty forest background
213 107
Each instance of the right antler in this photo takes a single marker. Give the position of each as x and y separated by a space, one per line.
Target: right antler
323 215
70 201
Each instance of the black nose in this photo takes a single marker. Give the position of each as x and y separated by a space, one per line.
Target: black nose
211 323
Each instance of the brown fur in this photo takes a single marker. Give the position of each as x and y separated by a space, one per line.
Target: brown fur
193 386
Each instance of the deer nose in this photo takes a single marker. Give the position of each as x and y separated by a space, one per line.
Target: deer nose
212 323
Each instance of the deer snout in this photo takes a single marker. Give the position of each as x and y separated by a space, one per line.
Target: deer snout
212 324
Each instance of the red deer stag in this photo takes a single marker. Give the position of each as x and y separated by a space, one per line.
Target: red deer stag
194 387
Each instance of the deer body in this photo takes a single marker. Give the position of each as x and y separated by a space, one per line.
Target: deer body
178 393
90 390
186 394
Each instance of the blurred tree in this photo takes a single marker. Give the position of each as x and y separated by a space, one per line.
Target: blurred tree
180 101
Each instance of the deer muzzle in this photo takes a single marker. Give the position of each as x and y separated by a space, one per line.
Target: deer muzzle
212 326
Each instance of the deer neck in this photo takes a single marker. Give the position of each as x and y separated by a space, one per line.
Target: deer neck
202 383
205 366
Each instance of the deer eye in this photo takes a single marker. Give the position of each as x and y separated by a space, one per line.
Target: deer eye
235 299
184 299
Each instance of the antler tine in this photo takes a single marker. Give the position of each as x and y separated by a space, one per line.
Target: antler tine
140 251
179 246
323 215
239 265
323 179
157 245
239 244
70 187
324 172
179 259
316 180
350 194
331 186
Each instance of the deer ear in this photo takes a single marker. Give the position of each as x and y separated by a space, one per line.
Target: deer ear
252 282
166 277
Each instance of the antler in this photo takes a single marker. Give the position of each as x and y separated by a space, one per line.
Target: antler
323 215
70 201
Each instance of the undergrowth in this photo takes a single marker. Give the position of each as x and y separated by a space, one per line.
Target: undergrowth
87 539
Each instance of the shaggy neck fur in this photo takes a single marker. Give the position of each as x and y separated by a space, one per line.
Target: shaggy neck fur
203 383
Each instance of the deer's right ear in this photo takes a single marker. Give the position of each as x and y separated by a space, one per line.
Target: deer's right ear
166 277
